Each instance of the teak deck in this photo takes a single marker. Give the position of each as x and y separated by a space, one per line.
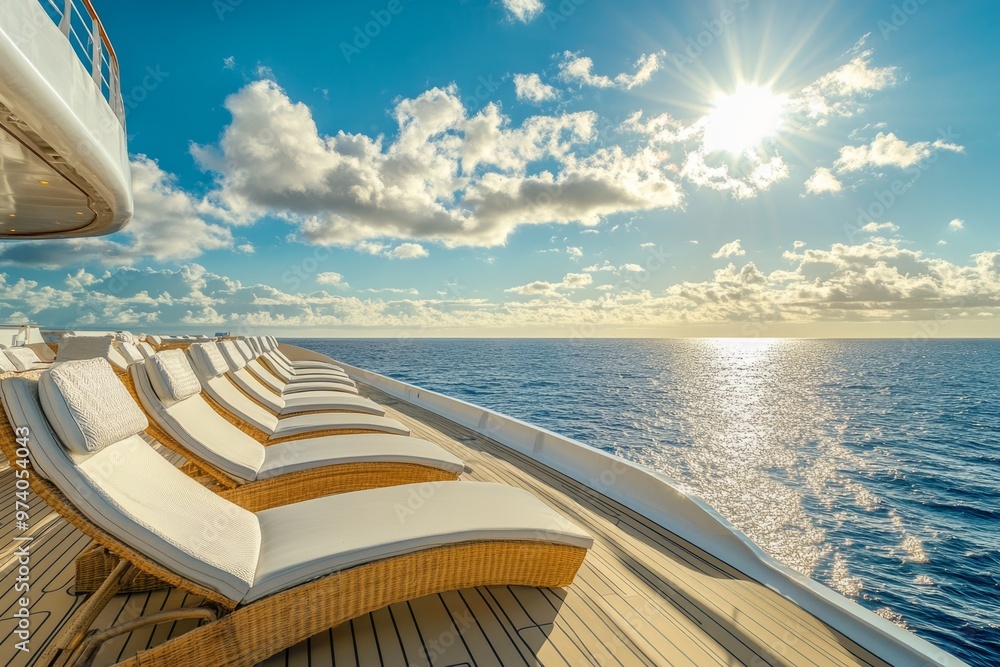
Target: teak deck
643 596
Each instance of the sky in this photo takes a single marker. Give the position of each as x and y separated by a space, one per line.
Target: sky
544 168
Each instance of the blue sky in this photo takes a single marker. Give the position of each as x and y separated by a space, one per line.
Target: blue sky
544 167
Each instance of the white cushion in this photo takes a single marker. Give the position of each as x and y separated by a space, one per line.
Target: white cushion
296 455
90 347
208 360
171 375
125 337
196 425
225 393
349 529
88 406
6 365
155 340
130 351
245 349
347 421
139 497
232 354
255 346
23 358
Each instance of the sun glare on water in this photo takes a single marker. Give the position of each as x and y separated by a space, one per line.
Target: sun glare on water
743 119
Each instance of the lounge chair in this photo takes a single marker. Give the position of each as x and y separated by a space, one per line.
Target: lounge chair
24 359
238 359
283 367
270 343
266 580
285 372
168 382
91 347
245 396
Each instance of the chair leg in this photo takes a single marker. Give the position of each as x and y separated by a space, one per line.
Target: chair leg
70 637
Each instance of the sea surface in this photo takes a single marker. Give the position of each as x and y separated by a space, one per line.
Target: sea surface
871 465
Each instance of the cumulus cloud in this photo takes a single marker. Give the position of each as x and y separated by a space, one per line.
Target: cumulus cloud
732 249
523 10
608 267
880 228
246 248
530 88
407 251
841 92
888 150
570 281
332 279
956 225
445 176
574 68
823 181
574 252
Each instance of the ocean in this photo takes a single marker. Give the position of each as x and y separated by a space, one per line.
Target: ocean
871 465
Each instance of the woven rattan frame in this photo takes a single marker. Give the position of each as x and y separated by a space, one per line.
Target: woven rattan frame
261 629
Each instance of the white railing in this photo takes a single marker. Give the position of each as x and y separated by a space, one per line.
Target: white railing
79 22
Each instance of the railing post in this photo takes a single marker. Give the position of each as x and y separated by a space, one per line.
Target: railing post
64 22
96 65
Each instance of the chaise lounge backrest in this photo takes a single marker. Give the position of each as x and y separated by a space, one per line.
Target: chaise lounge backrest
170 391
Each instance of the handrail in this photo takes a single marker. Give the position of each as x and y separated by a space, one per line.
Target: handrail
93 47
112 56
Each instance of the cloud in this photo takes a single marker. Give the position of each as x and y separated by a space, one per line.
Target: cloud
647 245
574 252
888 150
168 225
733 249
799 244
840 92
246 248
760 174
407 251
574 68
956 225
608 267
869 282
332 279
445 176
529 88
393 290
880 228
822 181
570 281
523 10
229 62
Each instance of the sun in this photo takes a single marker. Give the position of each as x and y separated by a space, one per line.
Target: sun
743 119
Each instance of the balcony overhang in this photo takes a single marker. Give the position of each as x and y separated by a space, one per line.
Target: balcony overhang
64 169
